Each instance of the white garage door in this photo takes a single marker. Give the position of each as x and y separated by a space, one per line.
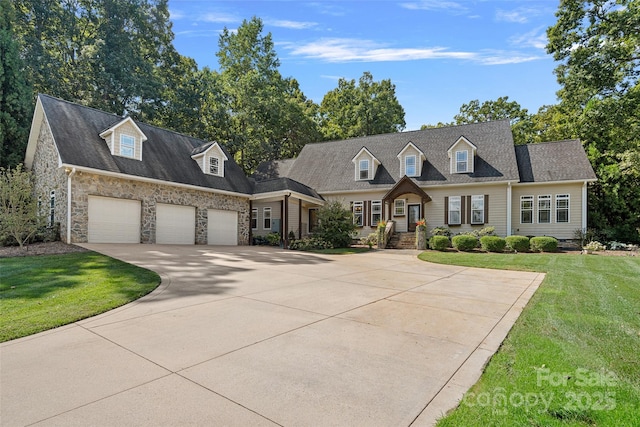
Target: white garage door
222 227
113 220
175 224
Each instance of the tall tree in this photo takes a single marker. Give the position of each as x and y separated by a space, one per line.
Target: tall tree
368 108
502 108
597 44
263 107
15 96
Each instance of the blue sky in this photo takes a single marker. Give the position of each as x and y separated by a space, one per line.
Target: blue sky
440 54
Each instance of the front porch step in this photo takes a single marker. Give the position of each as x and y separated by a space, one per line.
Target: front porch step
402 241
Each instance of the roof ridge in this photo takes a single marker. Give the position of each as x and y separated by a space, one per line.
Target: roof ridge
551 142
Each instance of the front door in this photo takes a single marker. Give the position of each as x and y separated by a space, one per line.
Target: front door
413 217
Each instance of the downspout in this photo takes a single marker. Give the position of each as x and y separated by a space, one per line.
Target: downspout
509 232
70 174
584 207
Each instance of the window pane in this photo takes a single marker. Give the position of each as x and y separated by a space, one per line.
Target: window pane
358 208
127 144
410 165
398 209
213 165
267 218
461 161
454 210
254 218
544 209
477 209
364 169
376 212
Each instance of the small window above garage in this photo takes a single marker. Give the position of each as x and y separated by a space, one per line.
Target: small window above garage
125 139
210 157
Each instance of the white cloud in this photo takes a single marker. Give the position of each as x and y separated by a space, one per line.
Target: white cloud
536 38
336 78
293 25
215 17
356 50
336 50
443 5
520 15
176 14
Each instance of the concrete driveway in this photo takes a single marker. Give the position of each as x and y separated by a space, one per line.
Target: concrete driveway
262 336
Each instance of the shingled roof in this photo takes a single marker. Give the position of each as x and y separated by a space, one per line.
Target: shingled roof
553 161
166 155
327 166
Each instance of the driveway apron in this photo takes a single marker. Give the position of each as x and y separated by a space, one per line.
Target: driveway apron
263 336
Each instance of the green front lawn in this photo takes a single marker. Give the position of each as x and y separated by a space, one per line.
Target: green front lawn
573 356
43 292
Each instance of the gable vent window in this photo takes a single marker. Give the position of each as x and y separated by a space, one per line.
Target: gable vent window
462 161
364 170
127 146
214 166
544 209
410 166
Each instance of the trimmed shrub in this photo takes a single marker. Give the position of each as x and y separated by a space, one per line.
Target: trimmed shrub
543 244
441 231
464 242
517 243
492 243
310 243
335 224
439 243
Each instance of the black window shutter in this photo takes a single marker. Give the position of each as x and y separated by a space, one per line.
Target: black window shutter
468 209
463 215
486 208
364 213
446 210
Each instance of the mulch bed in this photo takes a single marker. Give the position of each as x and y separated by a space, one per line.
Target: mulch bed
51 248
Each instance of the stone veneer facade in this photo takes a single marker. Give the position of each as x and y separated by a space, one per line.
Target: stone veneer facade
49 176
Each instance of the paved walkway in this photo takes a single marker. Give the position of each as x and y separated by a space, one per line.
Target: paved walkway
260 336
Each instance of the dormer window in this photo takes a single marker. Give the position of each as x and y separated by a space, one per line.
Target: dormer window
462 161
410 165
214 166
127 145
365 164
124 139
364 170
210 157
411 160
461 155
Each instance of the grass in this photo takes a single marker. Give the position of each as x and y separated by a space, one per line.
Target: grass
43 292
572 358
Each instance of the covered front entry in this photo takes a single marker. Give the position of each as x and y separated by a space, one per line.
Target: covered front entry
405 204
414 213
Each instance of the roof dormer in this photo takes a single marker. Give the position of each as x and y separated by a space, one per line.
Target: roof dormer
125 139
461 156
366 165
411 159
210 157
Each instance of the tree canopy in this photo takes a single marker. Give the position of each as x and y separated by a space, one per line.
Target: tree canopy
368 108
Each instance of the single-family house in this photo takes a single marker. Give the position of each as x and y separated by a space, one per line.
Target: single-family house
107 178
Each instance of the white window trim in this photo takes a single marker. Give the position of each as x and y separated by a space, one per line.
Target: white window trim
403 205
124 136
415 165
361 169
266 218
542 198
358 215
477 197
254 211
459 210
466 162
529 199
376 205
52 208
210 158
561 197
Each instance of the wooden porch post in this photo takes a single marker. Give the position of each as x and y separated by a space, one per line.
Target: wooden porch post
285 232
250 220
299 218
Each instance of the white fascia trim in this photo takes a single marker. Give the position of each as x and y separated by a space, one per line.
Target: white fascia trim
215 144
282 193
376 161
120 123
411 144
154 181
574 181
